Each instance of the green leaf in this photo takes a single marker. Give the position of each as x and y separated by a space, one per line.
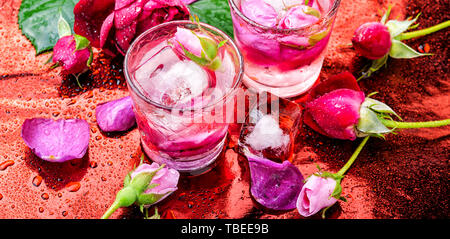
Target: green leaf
63 27
37 20
209 47
386 15
400 50
398 27
312 11
314 39
380 107
369 123
81 42
215 13
147 199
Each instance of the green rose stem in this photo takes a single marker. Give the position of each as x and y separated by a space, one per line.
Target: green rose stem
414 125
423 32
353 157
125 198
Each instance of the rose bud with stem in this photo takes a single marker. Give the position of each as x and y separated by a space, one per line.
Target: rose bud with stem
144 186
339 109
378 41
72 52
323 189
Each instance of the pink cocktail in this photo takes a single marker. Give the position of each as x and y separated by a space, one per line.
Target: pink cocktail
283 42
182 76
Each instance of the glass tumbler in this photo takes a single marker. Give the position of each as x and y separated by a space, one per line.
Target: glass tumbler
182 108
284 61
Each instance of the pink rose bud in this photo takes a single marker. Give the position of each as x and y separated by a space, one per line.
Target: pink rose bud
372 40
316 195
65 54
165 181
187 39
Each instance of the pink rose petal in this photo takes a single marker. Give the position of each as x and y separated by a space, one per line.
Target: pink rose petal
56 141
116 115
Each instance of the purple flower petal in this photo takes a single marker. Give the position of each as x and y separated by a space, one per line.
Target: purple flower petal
116 115
56 141
273 185
166 178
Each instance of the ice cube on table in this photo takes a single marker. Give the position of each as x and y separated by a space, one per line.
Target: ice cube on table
271 128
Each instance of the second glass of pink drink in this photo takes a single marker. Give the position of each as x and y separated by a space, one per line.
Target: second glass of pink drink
283 42
181 75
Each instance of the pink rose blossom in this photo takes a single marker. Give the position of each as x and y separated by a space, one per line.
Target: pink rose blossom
316 195
113 24
166 180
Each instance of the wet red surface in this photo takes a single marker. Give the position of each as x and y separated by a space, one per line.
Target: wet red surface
404 176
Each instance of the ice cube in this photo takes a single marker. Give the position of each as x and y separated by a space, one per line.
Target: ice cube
169 80
271 128
181 83
154 61
267 134
281 6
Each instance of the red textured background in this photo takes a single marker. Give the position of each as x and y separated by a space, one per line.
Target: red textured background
404 176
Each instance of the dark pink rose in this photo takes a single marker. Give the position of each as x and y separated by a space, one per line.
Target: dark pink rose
372 40
333 107
72 61
113 24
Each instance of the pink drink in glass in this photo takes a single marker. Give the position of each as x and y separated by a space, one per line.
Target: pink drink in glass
175 98
283 42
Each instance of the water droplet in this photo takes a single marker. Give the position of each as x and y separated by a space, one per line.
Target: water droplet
93 164
37 181
6 164
109 163
1 196
73 186
103 178
41 209
45 196
59 195
64 213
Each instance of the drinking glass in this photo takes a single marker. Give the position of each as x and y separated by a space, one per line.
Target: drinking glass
285 62
178 103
